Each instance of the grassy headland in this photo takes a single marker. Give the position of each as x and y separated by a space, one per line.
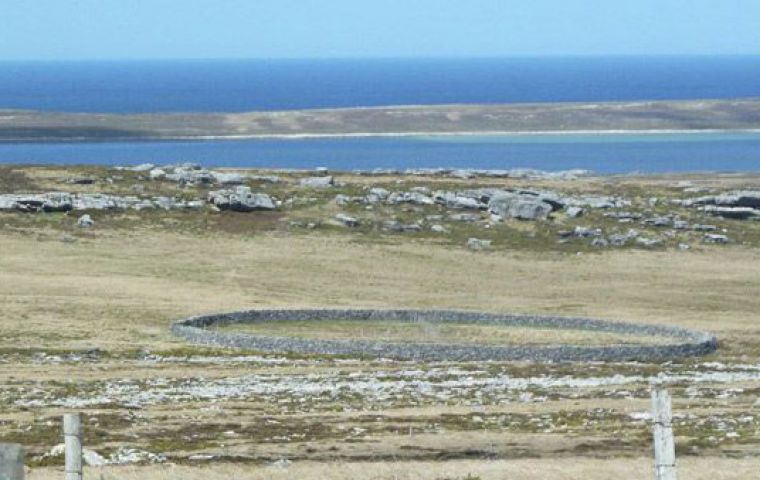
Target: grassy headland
656 116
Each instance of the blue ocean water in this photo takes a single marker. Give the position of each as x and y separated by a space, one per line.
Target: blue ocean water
234 86
600 153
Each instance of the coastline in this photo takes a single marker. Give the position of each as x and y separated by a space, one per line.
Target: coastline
360 135
518 120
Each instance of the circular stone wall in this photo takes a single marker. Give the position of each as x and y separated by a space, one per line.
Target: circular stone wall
680 342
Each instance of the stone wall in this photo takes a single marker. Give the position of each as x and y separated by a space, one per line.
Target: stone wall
200 330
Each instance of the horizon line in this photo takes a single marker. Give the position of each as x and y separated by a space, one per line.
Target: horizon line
383 58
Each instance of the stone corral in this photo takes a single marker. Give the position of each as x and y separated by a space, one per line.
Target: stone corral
685 343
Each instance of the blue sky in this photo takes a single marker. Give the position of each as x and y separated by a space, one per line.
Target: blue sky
116 29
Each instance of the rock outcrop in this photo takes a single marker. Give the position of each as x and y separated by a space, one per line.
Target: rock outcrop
241 199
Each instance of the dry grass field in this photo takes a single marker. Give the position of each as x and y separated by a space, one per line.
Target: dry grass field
531 469
84 327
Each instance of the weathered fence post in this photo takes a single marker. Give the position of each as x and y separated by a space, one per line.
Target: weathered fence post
72 435
11 461
664 445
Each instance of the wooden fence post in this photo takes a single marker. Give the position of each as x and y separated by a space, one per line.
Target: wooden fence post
72 435
11 461
664 445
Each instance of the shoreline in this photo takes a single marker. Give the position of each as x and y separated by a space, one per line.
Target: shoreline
518 120
361 135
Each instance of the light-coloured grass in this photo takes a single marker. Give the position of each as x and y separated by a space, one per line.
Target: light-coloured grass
121 291
433 332
690 468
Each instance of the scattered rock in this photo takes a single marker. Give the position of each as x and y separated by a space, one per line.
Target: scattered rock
439 229
342 200
736 213
379 192
574 212
478 244
715 238
704 228
586 232
680 224
522 207
465 217
85 221
648 242
228 178
317 182
157 174
346 220
414 198
658 221
617 240
143 167
394 226
456 200
240 199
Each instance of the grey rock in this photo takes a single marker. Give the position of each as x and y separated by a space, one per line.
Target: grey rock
703 228
658 221
394 226
465 217
240 199
228 178
414 198
457 200
597 202
740 198
617 239
574 212
736 213
347 220
379 192
317 182
623 216
143 167
44 202
439 229
157 174
342 199
523 207
265 178
585 232
648 242
680 224
85 221
599 242
714 238
478 244
191 176
744 198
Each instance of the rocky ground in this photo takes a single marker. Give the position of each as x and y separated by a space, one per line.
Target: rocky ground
97 262
480 210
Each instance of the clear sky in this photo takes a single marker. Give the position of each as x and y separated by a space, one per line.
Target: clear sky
116 29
